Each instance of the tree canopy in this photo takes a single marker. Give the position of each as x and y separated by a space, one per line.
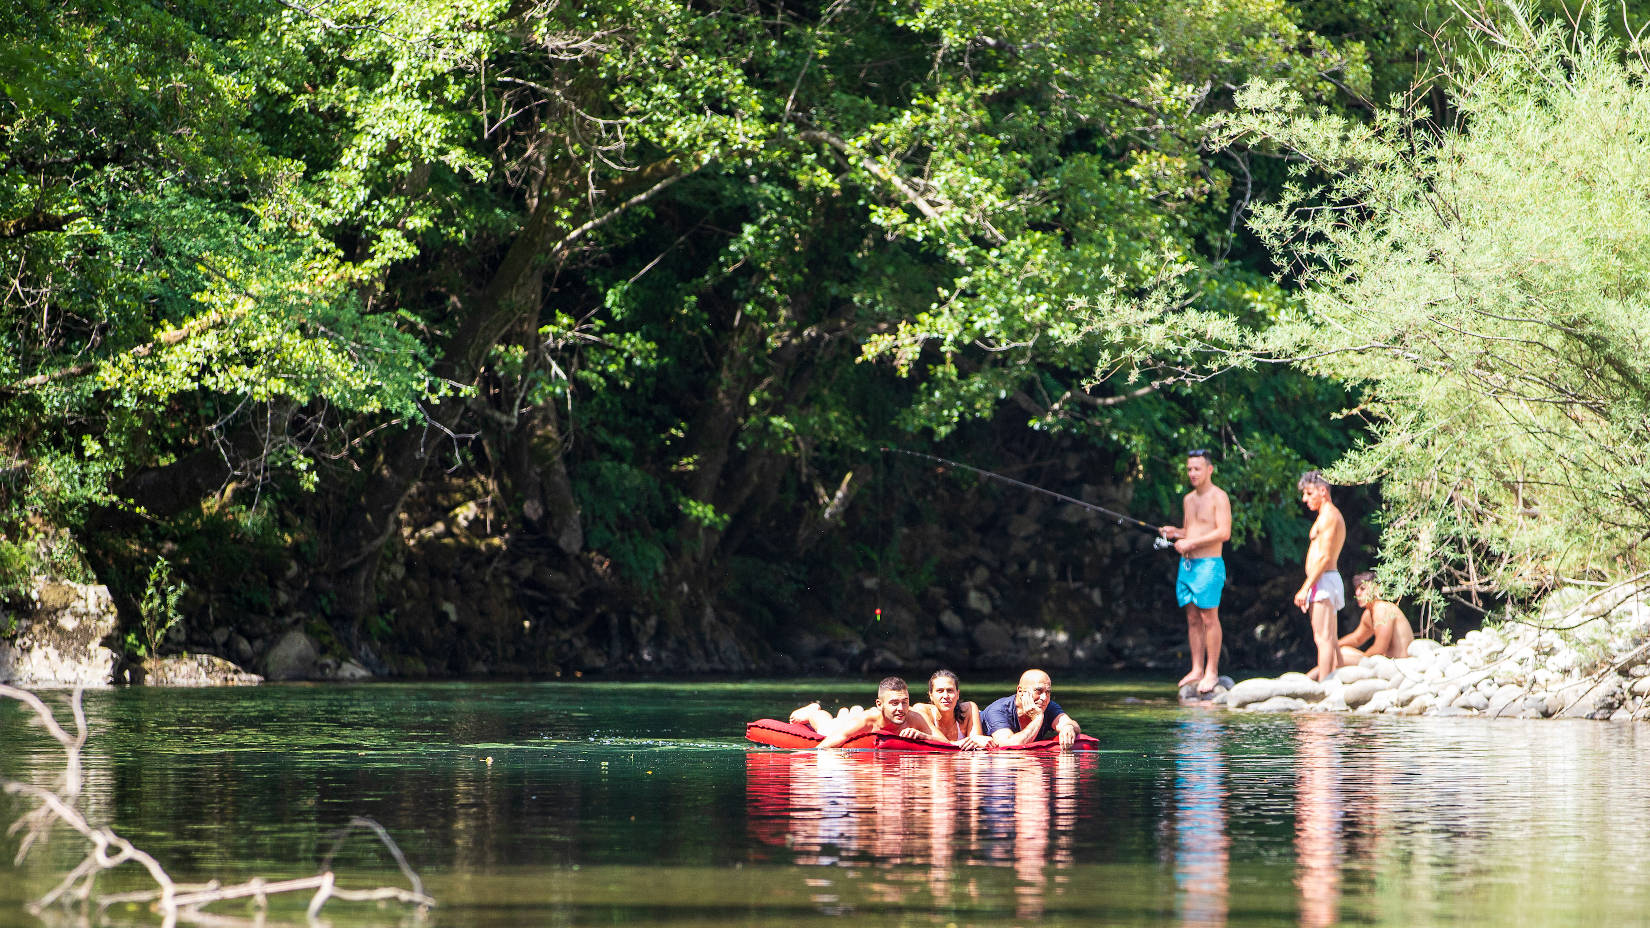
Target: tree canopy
1484 281
662 277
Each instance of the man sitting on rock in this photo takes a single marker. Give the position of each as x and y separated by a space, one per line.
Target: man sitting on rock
891 715
1031 714
1380 620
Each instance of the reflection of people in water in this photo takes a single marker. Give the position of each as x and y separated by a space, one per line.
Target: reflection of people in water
1317 820
936 812
1201 843
1029 803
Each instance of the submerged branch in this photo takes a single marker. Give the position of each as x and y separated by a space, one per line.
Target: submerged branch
171 899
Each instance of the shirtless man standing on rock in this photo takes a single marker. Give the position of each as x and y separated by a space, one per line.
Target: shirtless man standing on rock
891 715
1207 526
1323 595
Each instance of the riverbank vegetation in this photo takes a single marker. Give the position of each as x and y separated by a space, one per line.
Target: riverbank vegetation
1487 283
465 336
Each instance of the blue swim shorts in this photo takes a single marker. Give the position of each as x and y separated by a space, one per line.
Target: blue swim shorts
1200 581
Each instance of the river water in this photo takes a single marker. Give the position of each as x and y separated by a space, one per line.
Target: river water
582 803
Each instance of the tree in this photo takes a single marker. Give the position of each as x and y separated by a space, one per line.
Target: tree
1483 283
172 322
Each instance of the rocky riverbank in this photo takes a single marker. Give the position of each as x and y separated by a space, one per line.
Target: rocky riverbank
1586 656
62 635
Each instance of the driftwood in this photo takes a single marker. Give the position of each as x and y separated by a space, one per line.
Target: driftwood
174 902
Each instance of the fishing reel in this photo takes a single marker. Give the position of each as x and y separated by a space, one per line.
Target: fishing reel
1161 543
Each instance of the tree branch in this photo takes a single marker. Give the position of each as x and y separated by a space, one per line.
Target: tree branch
878 171
165 339
36 222
109 851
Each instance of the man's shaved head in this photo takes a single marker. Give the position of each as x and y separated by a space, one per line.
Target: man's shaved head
1034 678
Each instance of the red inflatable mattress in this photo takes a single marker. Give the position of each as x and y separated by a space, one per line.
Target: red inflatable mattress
775 733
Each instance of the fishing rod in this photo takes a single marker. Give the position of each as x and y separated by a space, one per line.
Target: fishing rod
1121 519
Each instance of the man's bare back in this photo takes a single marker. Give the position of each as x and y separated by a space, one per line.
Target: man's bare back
1381 622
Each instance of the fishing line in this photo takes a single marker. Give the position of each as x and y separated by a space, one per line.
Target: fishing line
1118 517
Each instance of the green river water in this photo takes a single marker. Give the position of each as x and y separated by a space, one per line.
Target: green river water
585 803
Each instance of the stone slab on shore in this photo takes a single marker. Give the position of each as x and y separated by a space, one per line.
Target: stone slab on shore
60 640
1586 656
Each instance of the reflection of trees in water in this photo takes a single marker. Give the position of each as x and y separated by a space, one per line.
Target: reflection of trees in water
1202 845
942 813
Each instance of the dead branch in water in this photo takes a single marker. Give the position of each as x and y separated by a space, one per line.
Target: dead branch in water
172 900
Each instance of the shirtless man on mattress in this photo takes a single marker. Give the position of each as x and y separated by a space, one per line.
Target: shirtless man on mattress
892 715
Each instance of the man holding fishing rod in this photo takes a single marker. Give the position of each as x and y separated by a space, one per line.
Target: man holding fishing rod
1205 529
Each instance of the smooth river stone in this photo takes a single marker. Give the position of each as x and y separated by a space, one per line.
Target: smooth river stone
1259 689
1355 673
1417 706
1278 704
1472 699
1543 703
1410 666
1504 697
1380 702
1421 647
1356 694
1382 666
1601 700
292 657
1189 693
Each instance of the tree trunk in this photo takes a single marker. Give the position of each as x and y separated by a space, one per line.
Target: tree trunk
512 297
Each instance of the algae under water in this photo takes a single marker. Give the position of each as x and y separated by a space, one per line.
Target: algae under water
571 803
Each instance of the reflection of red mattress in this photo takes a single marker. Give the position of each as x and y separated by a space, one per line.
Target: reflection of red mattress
779 734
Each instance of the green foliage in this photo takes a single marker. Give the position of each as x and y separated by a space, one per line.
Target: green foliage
157 611
283 236
164 276
16 568
622 505
1483 283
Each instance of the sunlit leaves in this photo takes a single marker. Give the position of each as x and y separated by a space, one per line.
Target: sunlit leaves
1486 281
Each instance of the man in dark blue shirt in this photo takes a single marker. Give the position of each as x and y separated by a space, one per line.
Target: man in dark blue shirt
1031 714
